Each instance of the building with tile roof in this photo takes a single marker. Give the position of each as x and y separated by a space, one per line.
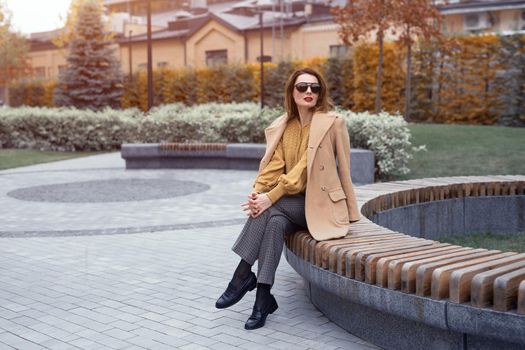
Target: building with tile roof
199 33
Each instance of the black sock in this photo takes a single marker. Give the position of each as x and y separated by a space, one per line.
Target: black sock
263 295
241 272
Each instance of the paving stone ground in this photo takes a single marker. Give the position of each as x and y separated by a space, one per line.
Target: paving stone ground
137 274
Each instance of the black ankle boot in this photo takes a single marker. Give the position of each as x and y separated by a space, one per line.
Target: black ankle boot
236 292
259 314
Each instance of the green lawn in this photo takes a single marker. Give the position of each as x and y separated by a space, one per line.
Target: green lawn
454 150
13 158
512 242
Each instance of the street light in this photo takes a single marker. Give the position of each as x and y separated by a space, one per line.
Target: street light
150 59
261 56
130 33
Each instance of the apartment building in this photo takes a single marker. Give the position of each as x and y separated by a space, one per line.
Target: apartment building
202 33
483 16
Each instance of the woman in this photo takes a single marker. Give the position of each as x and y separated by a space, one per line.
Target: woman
303 182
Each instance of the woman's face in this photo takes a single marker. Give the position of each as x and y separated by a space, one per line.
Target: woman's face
308 98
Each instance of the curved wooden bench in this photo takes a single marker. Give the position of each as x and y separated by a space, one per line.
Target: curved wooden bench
372 254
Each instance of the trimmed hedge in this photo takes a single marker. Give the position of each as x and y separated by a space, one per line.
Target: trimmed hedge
68 129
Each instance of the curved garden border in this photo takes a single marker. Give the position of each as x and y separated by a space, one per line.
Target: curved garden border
349 285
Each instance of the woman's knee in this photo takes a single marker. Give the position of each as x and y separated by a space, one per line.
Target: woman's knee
277 224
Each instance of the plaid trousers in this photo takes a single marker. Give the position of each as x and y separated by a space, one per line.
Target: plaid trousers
262 238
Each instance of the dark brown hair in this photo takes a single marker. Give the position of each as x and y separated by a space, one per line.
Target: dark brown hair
323 101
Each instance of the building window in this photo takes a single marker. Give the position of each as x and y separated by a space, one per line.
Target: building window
162 64
338 50
61 69
40 72
143 66
477 22
216 57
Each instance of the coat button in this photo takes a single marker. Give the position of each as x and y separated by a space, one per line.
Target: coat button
321 167
323 188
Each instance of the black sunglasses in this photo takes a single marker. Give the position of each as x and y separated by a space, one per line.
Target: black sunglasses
302 87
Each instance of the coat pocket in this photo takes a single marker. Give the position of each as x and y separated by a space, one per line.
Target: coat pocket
339 208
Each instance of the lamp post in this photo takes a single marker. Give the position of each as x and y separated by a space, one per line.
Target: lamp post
150 58
130 33
261 56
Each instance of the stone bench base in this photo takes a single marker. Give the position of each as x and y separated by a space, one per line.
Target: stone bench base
395 320
223 156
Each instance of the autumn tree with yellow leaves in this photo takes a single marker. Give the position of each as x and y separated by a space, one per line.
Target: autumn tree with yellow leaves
415 20
13 52
361 18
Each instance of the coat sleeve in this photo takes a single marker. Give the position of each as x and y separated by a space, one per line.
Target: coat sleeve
268 177
342 148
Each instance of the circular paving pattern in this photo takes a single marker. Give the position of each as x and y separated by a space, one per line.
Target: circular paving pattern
112 190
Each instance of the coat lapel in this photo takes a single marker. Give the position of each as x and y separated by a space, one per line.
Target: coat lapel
273 135
321 123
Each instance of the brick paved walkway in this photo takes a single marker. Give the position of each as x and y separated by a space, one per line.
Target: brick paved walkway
136 274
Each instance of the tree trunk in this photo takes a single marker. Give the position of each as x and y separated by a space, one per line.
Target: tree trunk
379 80
408 87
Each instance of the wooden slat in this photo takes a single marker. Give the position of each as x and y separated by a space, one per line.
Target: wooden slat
440 280
340 263
367 260
521 298
336 251
324 249
460 280
298 244
379 248
340 256
311 251
355 262
424 272
408 271
392 264
301 244
376 267
304 246
482 285
506 290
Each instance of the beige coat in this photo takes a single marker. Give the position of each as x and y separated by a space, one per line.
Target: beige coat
330 200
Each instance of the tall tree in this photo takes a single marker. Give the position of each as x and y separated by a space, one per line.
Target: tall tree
13 52
92 78
416 19
67 33
512 80
361 18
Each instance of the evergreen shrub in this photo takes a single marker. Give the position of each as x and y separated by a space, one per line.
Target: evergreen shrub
388 136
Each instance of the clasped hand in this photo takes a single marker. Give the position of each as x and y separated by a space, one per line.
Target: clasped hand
257 203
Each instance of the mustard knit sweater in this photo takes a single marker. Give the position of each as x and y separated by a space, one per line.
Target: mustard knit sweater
285 174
